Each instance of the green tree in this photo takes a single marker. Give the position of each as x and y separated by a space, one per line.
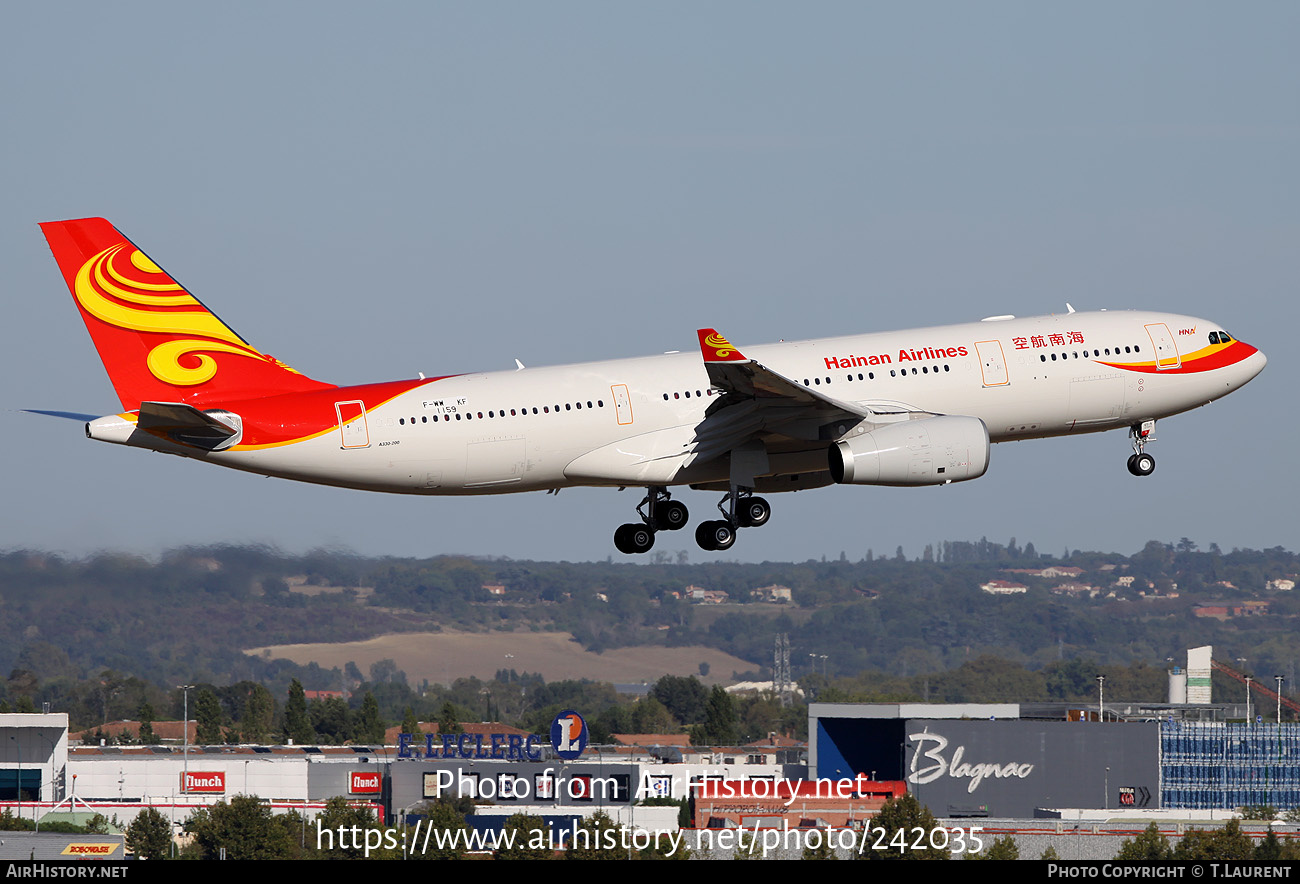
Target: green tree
649 716
448 722
369 727
411 723
147 736
531 839
338 815
1226 843
898 817
259 710
747 846
684 696
150 835
596 838
721 723
297 724
1001 849
244 827
1269 849
1049 855
443 816
208 715
100 825
331 720
1149 846
822 849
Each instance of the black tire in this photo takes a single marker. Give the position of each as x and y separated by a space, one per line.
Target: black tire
671 515
704 536
722 535
642 537
623 540
754 512
1132 464
1143 465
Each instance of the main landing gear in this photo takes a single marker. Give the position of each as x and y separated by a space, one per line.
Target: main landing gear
661 513
740 509
1141 463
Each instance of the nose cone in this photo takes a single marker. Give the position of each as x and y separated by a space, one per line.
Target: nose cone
1249 367
1254 363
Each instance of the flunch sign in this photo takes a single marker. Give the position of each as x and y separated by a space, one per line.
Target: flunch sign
210 782
369 783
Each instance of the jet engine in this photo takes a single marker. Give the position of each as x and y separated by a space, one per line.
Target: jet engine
929 451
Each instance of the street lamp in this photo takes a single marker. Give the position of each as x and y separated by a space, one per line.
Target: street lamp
1279 679
185 729
1101 698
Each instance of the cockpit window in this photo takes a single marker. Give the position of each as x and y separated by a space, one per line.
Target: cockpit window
1224 338
1214 337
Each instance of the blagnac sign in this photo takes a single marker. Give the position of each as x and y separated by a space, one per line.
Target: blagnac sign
936 765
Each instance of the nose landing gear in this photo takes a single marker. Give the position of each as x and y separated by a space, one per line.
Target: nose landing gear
1141 463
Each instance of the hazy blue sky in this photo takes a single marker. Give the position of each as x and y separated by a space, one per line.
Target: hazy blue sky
370 191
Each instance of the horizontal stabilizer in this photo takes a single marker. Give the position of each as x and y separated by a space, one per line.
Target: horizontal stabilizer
69 415
189 426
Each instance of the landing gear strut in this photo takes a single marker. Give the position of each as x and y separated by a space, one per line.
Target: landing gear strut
740 509
660 513
1141 463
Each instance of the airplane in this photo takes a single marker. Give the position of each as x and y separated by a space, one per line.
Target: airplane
903 408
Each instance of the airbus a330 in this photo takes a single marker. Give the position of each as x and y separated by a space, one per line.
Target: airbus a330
917 407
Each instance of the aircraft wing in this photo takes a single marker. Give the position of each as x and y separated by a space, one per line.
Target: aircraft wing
756 400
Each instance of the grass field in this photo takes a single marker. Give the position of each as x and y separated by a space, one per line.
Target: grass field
442 657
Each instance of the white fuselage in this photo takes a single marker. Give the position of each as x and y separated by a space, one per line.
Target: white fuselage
630 421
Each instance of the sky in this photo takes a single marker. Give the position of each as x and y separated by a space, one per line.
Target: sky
369 191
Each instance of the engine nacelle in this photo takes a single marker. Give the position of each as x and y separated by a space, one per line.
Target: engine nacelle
929 451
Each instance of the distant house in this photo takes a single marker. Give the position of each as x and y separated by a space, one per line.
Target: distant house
494 589
706 596
326 695
1281 584
1233 609
773 593
1059 571
1078 590
1003 587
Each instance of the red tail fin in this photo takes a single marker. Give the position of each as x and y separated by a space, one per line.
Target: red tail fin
157 341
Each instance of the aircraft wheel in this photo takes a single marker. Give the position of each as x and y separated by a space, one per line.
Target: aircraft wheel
715 535
1143 465
634 538
671 515
754 512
